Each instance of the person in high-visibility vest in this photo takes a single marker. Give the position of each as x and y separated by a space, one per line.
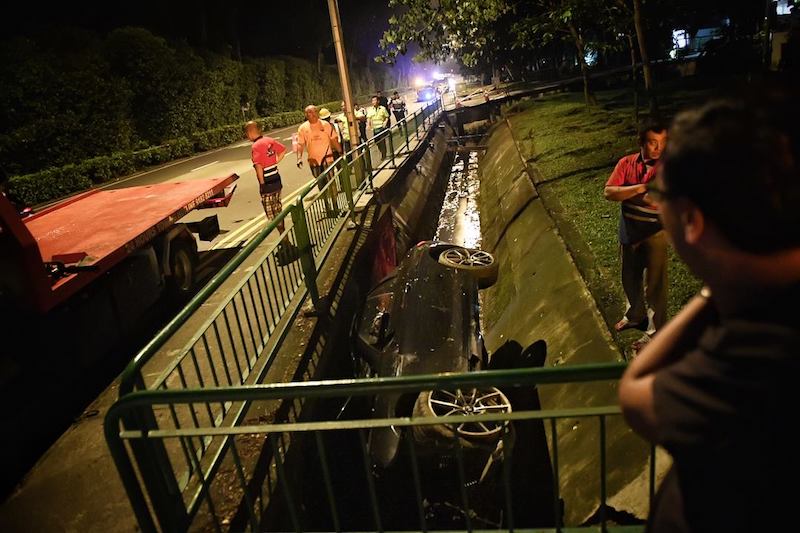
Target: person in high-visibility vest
344 130
378 118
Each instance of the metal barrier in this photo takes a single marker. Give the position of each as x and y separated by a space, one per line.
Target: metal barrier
303 468
229 347
236 344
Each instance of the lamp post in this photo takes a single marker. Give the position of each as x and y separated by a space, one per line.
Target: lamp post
344 74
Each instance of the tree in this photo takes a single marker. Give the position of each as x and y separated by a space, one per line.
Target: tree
638 22
580 22
463 29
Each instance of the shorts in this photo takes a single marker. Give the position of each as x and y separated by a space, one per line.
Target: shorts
272 204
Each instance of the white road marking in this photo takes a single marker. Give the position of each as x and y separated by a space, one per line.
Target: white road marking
204 166
247 230
287 138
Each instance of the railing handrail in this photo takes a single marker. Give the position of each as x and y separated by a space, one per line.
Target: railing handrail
367 386
130 374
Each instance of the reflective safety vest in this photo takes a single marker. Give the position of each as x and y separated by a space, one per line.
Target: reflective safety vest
344 127
378 116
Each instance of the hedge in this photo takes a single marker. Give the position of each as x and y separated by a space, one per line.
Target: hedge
53 183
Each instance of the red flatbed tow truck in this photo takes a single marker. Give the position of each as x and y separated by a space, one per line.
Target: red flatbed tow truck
61 250
83 284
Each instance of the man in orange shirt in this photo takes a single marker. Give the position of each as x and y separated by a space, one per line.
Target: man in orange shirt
321 141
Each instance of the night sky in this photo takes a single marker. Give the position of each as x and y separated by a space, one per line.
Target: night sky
265 27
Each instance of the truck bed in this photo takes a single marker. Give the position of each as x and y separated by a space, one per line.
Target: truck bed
103 227
102 223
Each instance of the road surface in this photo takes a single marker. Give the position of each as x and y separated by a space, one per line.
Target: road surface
244 216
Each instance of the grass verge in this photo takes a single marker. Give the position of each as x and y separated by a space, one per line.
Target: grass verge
573 149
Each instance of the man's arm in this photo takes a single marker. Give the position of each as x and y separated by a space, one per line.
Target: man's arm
301 145
623 192
670 344
259 173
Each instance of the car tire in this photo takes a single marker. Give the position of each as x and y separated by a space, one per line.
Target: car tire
484 436
480 264
182 266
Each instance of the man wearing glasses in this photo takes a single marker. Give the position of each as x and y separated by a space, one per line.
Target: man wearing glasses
717 386
642 241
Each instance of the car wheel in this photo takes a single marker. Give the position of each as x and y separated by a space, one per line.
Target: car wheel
182 261
479 263
455 409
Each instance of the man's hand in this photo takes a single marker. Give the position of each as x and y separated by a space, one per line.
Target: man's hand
625 192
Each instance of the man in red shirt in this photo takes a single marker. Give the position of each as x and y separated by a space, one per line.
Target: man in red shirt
267 153
642 240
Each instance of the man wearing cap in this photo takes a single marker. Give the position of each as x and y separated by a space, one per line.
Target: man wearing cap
266 154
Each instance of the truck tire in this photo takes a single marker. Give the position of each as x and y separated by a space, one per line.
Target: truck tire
182 264
480 264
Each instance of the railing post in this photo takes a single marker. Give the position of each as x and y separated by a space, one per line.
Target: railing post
416 123
405 131
344 177
368 163
300 224
158 478
391 146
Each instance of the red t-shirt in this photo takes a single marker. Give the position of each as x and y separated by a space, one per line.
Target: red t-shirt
639 219
266 151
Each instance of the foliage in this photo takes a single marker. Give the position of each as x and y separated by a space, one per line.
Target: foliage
466 29
78 98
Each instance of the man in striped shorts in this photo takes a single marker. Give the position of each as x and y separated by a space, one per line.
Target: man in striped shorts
267 153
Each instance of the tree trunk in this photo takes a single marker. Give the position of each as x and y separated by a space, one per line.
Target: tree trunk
635 78
588 94
646 68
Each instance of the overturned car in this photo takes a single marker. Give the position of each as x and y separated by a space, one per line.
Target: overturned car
423 319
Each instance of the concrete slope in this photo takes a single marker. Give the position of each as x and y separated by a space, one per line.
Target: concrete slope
541 295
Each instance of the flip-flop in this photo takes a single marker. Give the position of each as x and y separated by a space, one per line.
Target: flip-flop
624 324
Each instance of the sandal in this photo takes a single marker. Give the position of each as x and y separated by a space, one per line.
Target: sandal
624 324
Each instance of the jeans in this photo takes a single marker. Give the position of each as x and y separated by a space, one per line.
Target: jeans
644 279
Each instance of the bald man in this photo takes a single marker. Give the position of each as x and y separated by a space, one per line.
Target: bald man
266 154
321 140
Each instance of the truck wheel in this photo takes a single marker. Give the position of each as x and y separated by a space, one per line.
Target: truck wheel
478 263
182 262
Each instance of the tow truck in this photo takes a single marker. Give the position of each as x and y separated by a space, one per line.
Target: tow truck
81 284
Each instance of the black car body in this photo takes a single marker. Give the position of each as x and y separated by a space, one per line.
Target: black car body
422 319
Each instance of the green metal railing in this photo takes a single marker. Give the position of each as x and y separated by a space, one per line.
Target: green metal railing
237 341
304 468
229 347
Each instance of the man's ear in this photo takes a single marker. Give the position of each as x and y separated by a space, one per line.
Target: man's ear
694 223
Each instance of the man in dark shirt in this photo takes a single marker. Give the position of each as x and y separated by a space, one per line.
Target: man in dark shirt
717 385
643 246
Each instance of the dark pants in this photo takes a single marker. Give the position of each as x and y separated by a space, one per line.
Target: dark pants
644 279
380 140
399 116
362 128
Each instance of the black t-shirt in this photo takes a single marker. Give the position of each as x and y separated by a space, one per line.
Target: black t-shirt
727 412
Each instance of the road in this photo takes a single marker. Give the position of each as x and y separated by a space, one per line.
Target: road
244 216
